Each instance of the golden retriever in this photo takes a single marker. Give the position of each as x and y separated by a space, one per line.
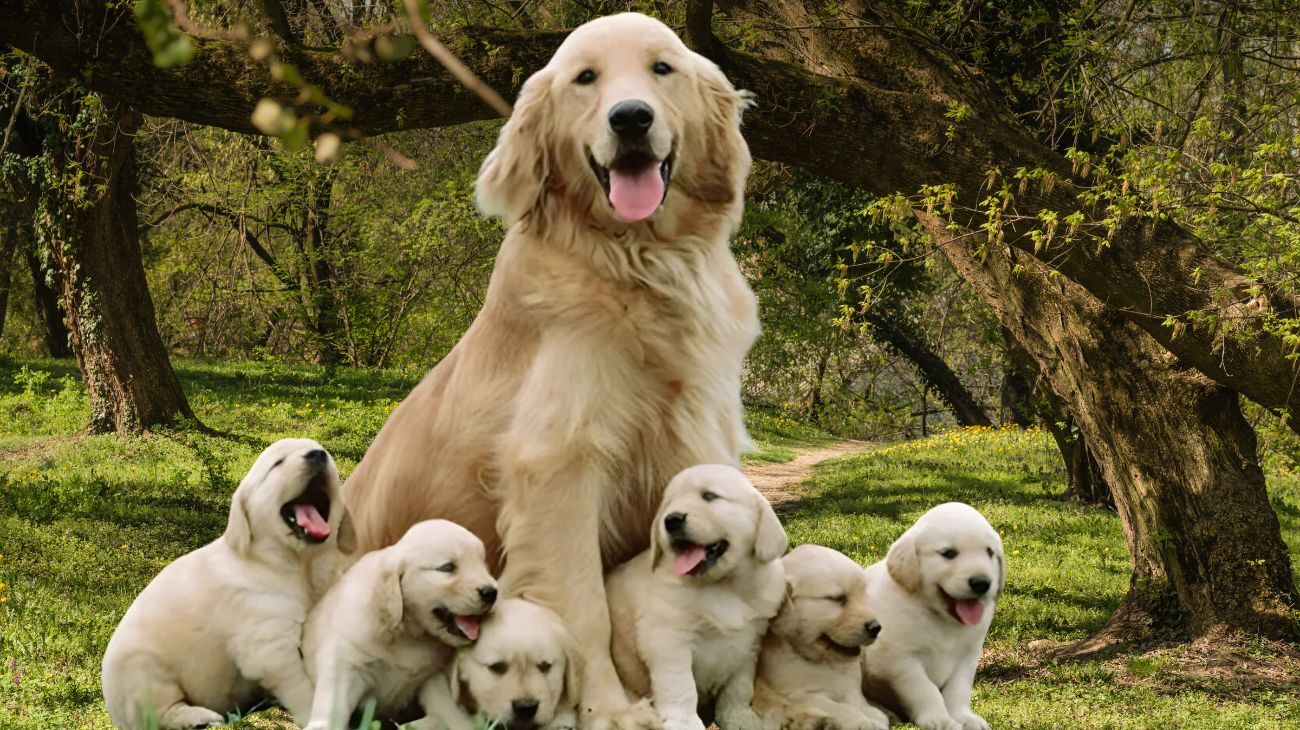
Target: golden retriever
934 592
607 355
810 672
523 671
690 612
219 627
387 630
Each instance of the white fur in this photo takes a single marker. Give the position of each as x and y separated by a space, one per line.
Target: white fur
219 627
924 662
688 640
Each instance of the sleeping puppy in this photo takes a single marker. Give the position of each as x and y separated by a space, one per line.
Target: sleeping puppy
690 612
220 627
523 671
810 671
389 627
935 591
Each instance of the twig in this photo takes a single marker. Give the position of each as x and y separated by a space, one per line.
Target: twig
395 157
448 59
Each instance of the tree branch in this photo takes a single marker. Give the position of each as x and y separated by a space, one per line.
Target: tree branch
277 19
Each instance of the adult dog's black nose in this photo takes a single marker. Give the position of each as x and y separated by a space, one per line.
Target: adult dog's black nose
488 594
631 118
979 585
317 457
675 524
525 709
873 629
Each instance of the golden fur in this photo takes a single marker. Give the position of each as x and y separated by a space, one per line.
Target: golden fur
606 357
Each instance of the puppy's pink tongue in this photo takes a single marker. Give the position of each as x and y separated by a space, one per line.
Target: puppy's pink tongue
310 520
688 560
636 195
468 626
969 611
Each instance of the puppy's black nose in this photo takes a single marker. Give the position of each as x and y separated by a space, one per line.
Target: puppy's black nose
873 629
675 524
631 118
488 594
317 457
979 585
525 709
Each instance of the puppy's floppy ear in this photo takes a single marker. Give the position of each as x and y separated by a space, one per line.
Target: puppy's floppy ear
572 691
458 694
770 542
902 563
656 543
1002 573
786 622
513 175
239 533
347 539
389 606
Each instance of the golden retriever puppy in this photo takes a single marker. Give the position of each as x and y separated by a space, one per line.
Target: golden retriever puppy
389 628
523 671
607 355
934 592
221 626
810 671
690 612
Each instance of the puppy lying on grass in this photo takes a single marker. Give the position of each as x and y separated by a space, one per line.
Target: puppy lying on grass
524 671
688 614
389 627
220 627
810 674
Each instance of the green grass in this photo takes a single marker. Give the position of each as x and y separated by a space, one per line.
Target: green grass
86 522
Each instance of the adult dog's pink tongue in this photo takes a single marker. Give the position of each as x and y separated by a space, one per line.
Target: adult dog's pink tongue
310 520
969 611
468 626
636 195
688 559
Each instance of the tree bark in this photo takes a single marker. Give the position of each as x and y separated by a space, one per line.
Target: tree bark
1208 556
103 288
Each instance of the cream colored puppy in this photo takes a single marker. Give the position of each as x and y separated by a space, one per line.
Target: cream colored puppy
524 671
389 627
934 592
221 626
810 670
690 612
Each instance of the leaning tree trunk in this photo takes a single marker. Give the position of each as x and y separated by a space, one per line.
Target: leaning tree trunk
54 324
8 247
895 331
1208 556
103 287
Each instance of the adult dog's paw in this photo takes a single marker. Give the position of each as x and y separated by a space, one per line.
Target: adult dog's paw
739 718
636 716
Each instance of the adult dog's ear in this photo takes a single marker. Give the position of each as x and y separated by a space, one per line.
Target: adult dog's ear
902 563
347 540
239 533
770 542
720 180
511 180
389 606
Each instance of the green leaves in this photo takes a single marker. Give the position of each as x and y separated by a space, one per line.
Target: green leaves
170 47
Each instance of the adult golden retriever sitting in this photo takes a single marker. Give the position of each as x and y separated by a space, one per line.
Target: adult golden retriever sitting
607 355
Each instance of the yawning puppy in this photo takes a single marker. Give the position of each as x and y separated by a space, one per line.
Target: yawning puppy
935 592
689 613
810 672
523 671
387 630
221 626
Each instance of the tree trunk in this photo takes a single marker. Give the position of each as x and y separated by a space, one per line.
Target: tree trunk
1208 556
103 287
54 323
326 323
896 332
8 247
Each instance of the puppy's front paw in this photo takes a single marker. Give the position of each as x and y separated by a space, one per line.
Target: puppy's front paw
635 716
971 721
876 719
937 722
683 722
189 716
739 718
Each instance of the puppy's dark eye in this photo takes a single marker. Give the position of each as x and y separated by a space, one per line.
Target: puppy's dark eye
447 568
661 68
586 77
840 599
498 668
708 496
948 554
989 551
544 667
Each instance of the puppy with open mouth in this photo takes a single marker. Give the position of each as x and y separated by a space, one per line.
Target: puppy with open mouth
689 613
936 590
810 673
389 628
220 628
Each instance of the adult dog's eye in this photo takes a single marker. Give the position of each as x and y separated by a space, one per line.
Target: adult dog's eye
544 667
587 76
948 554
498 668
708 496
661 68
447 568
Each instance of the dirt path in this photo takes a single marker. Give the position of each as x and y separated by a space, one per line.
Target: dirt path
776 481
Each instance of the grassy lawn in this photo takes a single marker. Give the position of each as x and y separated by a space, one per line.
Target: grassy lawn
85 523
